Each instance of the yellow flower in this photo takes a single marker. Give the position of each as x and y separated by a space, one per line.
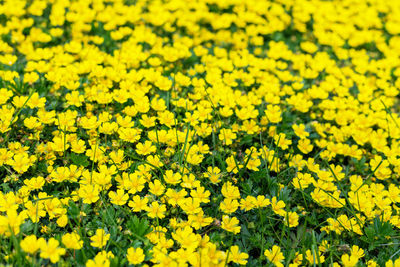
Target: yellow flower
230 191
273 113
213 174
186 238
156 188
236 256
10 224
89 193
100 239
50 250
305 146
175 196
314 258
30 244
275 256
155 210
75 99
357 251
145 148
229 206
138 204
198 220
230 224
72 241
21 162
278 206
172 178
135 255
101 259
119 198
281 141
349 260
227 136
19 101
291 219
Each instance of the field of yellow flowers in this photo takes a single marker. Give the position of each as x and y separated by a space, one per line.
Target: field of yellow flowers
200 133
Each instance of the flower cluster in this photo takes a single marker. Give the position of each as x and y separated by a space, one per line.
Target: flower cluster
204 133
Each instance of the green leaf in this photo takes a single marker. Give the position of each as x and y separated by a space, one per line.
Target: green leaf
73 210
139 227
79 159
